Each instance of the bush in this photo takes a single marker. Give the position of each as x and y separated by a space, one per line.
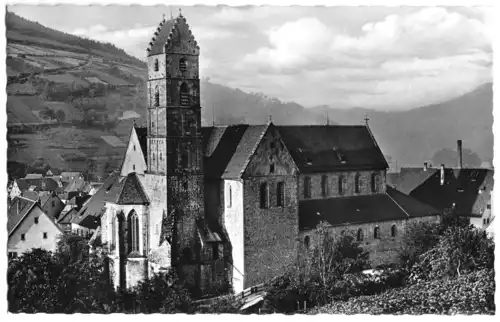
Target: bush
469 294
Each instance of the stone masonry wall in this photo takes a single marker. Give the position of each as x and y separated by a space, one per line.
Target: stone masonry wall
382 250
348 187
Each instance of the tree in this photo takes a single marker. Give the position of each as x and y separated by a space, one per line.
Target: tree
449 158
419 238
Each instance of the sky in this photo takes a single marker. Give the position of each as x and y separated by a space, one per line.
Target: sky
384 58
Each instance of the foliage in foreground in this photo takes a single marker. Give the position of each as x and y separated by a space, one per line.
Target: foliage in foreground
468 294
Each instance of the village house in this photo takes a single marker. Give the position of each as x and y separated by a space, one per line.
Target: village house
30 227
461 191
232 204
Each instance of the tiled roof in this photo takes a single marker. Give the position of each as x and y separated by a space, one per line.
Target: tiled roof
409 178
319 148
161 36
245 149
32 195
142 135
468 189
220 145
68 217
392 205
43 184
18 208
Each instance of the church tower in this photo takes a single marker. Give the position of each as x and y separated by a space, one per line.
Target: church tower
174 135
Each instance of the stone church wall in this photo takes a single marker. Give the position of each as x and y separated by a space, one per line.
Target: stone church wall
381 251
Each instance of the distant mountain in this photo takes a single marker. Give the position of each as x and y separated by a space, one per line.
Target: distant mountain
412 137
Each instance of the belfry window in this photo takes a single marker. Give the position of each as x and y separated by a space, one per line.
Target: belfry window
183 65
157 65
184 94
157 97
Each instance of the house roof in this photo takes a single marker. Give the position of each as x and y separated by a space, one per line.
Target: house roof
33 176
32 195
43 184
468 189
75 184
389 206
319 148
409 178
95 205
68 217
18 208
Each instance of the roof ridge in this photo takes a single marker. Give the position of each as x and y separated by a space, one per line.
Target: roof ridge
401 207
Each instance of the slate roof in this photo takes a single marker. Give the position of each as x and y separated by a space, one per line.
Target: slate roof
244 150
161 36
469 189
409 178
142 135
389 206
68 217
19 207
320 148
32 195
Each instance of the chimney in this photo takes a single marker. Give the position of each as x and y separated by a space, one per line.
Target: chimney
442 174
459 153
425 166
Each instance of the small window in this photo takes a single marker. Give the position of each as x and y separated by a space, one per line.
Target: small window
307 187
230 197
160 157
393 231
185 185
157 97
307 242
360 235
357 183
133 167
36 220
488 206
44 235
376 233
324 186
263 195
23 236
271 168
280 194
484 221
341 185
134 147
157 65
215 251
53 203
152 125
184 95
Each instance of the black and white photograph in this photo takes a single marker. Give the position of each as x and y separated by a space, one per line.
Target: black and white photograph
211 158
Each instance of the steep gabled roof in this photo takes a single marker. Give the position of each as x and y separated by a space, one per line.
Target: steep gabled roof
244 151
320 148
132 192
389 206
19 207
142 135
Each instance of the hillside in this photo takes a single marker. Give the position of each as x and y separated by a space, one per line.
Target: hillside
85 93
412 137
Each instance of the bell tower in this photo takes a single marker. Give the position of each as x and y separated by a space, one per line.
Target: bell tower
174 132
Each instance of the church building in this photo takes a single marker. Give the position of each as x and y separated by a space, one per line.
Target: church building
229 205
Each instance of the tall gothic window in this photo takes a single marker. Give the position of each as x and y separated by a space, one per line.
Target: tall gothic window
157 65
324 185
341 185
230 197
183 65
357 183
264 195
376 233
393 231
307 187
184 94
114 227
157 96
280 194
133 224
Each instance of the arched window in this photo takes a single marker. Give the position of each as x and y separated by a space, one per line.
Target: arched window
157 65
393 231
183 64
280 194
307 187
341 185
376 232
357 183
324 185
263 195
133 231
184 94
157 96
307 241
360 235
374 182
